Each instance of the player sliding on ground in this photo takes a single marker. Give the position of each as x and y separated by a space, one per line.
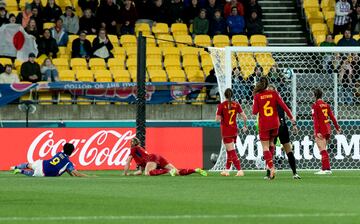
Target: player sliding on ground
265 105
56 166
152 164
321 112
226 113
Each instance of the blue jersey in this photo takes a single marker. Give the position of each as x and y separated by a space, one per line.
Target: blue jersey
57 165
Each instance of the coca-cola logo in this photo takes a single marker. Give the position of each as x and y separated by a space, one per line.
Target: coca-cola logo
106 147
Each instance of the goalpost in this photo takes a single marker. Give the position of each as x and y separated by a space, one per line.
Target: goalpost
295 71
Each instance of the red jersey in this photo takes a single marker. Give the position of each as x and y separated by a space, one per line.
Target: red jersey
140 156
228 116
265 104
321 112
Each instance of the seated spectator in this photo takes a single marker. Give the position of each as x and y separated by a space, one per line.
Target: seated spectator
329 42
254 25
192 11
47 45
89 4
253 6
52 12
143 7
36 4
49 71
218 24
212 7
30 70
70 21
159 12
8 76
235 23
212 91
38 20
355 20
2 69
4 17
128 17
347 40
177 11
229 7
342 16
107 16
327 61
81 47
102 46
59 34
12 18
31 29
88 22
201 24
23 17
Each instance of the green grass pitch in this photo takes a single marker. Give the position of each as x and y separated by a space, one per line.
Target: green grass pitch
113 198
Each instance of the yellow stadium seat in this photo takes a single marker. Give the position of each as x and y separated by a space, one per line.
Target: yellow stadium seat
63 53
63 3
247 66
5 61
17 64
318 39
337 38
97 64
78 64
206 63
103 76
119 52
153 53
160 28
131 63
240 40
172 64
113 39
121 75
329 15
143 27
171 52
11 6
116 63
315 17
128 40
61 63
131 52
356 37
189 52
150 41
46 99
67 75
183 40
153 64
176 75
191 64
72 37
157 75
83 101
265 62
311 5
319 28
195 76
85 75
330 24
258 40
328 5
91 38
202 40
179 29
133 75
165 40
65 98
221 41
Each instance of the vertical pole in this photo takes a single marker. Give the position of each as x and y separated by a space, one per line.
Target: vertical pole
228 71
27 116
294 91
141 90
336 94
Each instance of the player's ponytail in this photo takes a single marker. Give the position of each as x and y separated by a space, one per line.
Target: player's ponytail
318 93
261 85
228 95
135 142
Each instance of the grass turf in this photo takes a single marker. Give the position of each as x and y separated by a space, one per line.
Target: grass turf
112 198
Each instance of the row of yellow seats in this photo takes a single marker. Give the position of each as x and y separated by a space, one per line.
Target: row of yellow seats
313 5
321 38
317 13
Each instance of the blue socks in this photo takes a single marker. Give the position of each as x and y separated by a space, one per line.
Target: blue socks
27 172
22 166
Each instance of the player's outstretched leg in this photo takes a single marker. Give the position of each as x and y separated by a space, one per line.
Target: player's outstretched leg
291 160
158 172
20 166
26 172
201 172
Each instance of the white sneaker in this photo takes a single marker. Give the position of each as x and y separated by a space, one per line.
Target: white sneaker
12 167
240 173
323 172
225 173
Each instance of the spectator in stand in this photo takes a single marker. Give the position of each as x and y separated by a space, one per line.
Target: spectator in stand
253 6
8 76
51 12
160 12
49 71
329 42
102 46
70 21
128 17
12 19
38 19
23 17
36 4
355 20
89 4
201 3
192 11
59 34
107 15
2 69
254 25
47 45
4 17
347 40
88 22
177 11
228 8
31 29
81 47
235 23
30 70
328 58
201 24
218 24
212 91
143 7
342 16
211 8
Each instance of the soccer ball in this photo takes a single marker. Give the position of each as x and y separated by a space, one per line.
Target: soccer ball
288 73
214 157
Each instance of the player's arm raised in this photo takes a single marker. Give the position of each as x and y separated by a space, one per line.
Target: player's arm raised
127 165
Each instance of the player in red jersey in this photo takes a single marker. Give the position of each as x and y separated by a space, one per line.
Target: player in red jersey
154 165
226 113
321 112
265 106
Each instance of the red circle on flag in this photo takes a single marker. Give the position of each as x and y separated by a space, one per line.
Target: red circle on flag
18 40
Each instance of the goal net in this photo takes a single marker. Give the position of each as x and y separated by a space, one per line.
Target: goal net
295 72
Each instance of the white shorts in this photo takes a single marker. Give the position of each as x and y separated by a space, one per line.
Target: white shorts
37 166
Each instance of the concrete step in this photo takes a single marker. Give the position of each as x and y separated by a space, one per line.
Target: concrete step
276 3
295 27
282 15
281 21
297 33
287 40
287 44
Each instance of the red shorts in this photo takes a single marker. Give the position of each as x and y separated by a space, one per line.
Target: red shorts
268 134
159 160
231 139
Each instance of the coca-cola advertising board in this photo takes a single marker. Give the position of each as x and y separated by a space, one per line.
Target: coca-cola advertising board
99 148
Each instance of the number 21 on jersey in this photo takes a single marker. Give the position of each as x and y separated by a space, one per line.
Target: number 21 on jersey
268 110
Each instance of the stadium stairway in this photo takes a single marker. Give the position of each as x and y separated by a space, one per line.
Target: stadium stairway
282 23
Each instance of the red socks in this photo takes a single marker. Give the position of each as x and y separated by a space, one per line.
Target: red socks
232 158
272 150
325 161
268 159
157 172
184 172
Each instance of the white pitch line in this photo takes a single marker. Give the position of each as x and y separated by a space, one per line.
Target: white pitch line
176 217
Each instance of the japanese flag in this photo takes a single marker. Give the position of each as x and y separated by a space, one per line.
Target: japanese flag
15 42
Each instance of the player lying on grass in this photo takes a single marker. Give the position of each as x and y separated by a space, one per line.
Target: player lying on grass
227 113
152 164
53 167
322 113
